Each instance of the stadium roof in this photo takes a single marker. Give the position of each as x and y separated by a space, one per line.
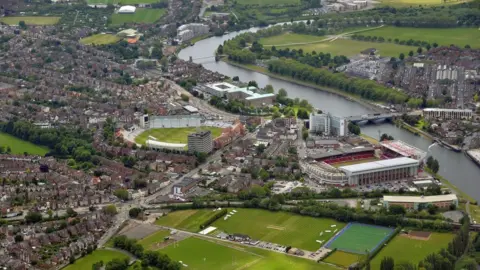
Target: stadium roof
164 144
127 9
446 110
404 149
421 199
338 152
380 165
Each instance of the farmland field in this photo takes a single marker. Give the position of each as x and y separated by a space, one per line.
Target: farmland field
19 146
343 258
209 254
96 256
173 135
442 36
359 238
188 220
100 39
30 20
141 15
156 237
350 47
280 227
267 2
405 249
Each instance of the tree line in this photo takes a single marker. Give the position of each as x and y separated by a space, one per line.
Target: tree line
149 258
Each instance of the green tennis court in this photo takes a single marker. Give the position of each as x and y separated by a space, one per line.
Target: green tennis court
359 238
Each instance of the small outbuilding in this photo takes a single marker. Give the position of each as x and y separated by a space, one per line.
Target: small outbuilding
127 10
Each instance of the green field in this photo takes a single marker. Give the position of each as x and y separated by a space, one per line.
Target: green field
442 36
343 259
30 20
280 227
288 38
156 237
350 47
141 15
406 3
360 238
96 256
100 39
174 135
189 220
19 146
204 254
267 2
405 249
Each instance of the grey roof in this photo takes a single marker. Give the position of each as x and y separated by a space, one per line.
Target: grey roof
340 152
380 165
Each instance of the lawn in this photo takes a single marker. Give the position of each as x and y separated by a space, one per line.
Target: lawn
353 162
96 256
280 227
19 146
406 3
141 15
350 47
359 238
267 2
30 20
289 38
156 237
343 259
405 249
100 39
442 36
122 2
174 135
205 254
188 220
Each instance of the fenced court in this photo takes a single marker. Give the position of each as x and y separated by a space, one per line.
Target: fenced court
359 238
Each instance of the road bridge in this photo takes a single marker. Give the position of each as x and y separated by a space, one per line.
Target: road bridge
372 118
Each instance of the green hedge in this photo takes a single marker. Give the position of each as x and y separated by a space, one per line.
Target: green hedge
328 254
390 237
212 219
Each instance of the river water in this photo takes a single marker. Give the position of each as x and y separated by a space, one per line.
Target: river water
455 167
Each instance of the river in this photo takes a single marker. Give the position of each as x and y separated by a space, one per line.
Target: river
455 167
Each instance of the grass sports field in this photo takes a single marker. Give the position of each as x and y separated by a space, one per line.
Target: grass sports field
405 249
288 38
100 39
359 238
96 256
343 259
173 135
267 2
141 15
30 20
208 254
442 36
405 3
123 2
156 237
280 227
350 47
188 220
19 146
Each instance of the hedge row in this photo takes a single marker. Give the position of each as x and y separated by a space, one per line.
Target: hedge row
328 254
212 219
390 237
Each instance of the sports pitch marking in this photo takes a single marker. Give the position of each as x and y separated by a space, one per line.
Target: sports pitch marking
276 227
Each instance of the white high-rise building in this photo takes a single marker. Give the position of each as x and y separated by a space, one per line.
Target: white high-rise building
328 124
200 142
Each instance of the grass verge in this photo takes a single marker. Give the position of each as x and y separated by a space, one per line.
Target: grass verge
19 146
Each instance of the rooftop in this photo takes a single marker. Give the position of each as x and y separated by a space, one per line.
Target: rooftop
404 149
164 144
421 199
379 165
446 110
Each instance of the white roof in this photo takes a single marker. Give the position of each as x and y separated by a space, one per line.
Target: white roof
165 144
423 182
222 86
380 165
190 108
446 110
421 199
127 9
404 149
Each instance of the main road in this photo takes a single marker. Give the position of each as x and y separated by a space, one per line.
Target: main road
455 167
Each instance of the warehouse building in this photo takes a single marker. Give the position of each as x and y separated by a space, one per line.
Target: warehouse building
421 202
381 171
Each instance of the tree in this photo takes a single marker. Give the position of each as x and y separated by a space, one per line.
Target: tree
71 260
185 97
269 89
401 56
117 264
252 83
22 24
110 209
429 161
302 113
157 53
260 148
134 212
419 50
236 79
410 53
432 209
122 194
33 217
18 238
467 46
397 210
305 134
387 263
386 137
353 128
201 157
71 212
129 161
282 93
435 166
